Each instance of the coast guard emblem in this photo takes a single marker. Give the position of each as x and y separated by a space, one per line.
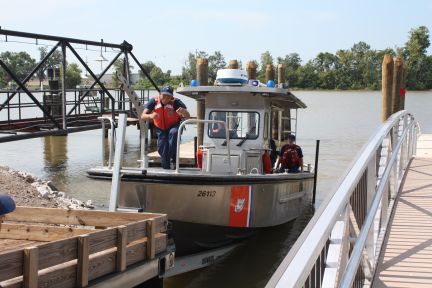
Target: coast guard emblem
239 205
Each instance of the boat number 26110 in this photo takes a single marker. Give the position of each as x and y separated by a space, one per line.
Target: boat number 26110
206 193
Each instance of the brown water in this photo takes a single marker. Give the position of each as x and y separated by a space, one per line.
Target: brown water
343 121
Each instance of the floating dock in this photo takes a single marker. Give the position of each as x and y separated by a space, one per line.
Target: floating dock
405 258
48 247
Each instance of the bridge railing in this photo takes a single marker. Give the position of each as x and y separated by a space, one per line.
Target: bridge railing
341 244
23 108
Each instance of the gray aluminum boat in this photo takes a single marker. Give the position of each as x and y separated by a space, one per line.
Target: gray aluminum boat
230 196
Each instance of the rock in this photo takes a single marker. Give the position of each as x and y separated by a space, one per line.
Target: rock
44 192
89 204
28 190
51 186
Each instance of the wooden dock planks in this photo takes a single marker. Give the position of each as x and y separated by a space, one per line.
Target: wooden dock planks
406 259
83 253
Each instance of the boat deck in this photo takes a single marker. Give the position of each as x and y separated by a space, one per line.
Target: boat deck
405 260
186 154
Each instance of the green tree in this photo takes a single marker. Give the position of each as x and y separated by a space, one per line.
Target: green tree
325 65
53 61
216 62
73 76
156 73
417 63
20 63
344 71
266 59
189 68
307 76
119 67
292 63
3 82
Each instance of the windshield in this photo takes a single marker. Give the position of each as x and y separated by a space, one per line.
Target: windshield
242 125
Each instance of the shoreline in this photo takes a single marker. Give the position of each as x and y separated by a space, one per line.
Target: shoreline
28 190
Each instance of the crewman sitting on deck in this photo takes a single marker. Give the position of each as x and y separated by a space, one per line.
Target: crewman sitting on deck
166 111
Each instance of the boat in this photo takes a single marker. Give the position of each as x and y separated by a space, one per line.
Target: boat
228 196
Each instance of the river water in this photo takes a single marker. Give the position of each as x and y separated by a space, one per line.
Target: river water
343 121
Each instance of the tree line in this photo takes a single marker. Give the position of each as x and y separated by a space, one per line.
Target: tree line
356 68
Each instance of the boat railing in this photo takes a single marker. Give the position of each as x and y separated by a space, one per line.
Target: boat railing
341 244
201 121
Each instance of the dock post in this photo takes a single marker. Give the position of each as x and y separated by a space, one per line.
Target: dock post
30 267
281 75
387 84
251 69
397 84
233 64
286 114
269 75
202 77
63 98
402 89
315 171
118 159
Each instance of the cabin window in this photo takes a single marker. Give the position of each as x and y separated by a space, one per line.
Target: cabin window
241 125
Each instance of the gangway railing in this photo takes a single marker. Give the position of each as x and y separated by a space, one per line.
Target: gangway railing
341 244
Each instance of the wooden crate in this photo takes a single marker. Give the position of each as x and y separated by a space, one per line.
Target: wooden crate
48 247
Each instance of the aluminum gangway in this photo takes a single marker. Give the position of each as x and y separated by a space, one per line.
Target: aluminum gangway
341 245
26 113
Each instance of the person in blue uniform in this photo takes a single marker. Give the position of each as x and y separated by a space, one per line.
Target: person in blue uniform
166 111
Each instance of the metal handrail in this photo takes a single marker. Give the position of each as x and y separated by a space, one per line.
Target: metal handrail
301 262
351 269
201 121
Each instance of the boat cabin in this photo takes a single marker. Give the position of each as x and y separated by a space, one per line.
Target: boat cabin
250 111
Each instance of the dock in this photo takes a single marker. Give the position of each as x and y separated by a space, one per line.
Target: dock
375 228
51 247
406 257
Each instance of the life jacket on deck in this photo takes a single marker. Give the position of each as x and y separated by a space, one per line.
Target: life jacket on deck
267 165
168 117
290 157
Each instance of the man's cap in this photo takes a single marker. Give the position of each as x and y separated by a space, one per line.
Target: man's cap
167 90
291 136
7 204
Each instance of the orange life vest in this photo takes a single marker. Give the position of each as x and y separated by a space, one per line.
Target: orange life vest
267 166
168 117
290 157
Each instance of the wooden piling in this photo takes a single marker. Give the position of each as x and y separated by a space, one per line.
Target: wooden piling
251 69
402 89
387 84
202 77
281 74
233 64
269 73
397 84
286 114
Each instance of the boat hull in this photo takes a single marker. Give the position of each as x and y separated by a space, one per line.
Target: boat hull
209 211
233 205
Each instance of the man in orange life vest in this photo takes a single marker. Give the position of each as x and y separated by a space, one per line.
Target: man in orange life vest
166 111
291 157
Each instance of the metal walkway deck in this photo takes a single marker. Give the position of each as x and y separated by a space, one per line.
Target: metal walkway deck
406 258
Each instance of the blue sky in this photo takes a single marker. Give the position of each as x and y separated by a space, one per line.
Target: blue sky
166 31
